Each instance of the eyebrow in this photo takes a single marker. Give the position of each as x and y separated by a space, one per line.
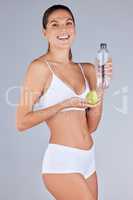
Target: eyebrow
54 20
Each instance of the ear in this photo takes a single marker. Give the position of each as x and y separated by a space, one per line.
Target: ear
44 32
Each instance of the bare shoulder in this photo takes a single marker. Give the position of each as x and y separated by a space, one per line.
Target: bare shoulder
36 77
37 74
88 66
33 86
38 66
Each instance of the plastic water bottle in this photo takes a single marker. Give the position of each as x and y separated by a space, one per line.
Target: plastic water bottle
103 80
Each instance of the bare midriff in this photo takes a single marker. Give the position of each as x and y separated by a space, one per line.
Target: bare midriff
70 128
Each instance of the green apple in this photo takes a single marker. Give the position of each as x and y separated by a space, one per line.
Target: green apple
92 97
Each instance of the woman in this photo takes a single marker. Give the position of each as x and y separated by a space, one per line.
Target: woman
54 92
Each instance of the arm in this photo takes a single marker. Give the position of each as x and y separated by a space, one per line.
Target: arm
94 114
33 85
34 118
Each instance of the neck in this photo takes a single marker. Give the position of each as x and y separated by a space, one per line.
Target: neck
59 55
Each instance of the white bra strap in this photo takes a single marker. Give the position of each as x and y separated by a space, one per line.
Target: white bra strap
49 66
82 70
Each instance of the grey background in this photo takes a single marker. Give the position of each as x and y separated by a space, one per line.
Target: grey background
21 41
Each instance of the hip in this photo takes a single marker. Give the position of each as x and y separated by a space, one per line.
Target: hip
58 155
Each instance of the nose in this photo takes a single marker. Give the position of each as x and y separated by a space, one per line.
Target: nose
63 27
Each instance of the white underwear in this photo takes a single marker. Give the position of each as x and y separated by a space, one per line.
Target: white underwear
60 158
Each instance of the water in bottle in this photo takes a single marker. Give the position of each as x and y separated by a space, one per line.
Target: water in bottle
103 79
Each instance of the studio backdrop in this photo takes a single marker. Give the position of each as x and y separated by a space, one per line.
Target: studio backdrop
22 41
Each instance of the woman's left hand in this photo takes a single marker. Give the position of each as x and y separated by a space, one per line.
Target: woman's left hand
108 68
108 72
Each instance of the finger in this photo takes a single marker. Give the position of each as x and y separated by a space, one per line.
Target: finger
109 62
105 71
109 59
94 105
107 66
99 95
98 103
108 70
108 74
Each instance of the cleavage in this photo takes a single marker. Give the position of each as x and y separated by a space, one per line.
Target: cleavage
74 75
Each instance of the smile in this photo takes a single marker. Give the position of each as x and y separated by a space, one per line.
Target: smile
65 37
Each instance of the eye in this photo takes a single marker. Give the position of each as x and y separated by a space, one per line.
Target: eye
69 23
54 25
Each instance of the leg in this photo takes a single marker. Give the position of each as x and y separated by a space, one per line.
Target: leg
92 183
67 186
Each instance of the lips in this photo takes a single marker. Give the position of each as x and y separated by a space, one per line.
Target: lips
63 37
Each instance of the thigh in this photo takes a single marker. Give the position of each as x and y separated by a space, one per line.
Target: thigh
92 182
68 186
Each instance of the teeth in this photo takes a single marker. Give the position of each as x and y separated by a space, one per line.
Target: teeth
63 37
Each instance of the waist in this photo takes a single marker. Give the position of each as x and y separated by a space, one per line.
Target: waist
85 145
78 140
79 148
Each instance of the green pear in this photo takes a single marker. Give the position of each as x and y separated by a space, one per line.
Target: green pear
92 97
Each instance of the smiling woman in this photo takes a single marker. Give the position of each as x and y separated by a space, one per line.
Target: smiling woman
55 88
56 23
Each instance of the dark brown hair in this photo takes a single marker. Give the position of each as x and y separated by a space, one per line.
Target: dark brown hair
49 11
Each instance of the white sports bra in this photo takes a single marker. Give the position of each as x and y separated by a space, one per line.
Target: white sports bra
59 91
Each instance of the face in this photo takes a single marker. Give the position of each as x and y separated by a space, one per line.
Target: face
60 30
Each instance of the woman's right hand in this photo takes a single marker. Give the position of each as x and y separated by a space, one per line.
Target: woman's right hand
79 102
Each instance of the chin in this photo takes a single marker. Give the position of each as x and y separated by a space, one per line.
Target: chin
63 46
